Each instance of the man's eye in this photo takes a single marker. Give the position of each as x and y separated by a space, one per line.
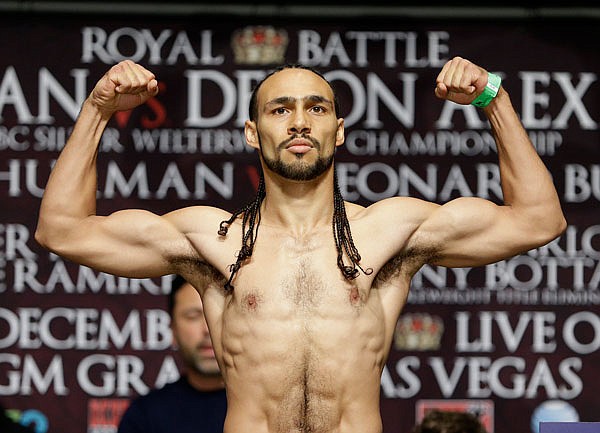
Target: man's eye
318 109
280 110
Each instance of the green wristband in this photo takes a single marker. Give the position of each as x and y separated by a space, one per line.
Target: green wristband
490 91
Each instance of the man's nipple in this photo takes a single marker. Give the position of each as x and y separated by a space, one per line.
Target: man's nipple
354 296
250 301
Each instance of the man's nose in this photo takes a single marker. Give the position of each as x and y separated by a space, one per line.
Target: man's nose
205 329
299 123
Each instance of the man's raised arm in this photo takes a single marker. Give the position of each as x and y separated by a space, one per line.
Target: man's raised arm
126 242
472 231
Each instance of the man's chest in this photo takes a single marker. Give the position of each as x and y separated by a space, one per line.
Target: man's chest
301 281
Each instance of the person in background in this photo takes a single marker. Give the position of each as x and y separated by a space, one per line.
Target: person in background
196 403
439 421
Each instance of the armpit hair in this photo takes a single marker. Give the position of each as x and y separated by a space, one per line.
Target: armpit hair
406 263
198 271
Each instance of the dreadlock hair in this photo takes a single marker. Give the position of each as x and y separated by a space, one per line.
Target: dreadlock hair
250 223
343 236
250 213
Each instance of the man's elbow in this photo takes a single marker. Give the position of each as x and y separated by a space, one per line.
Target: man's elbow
42 237
550 227
48 236
561 226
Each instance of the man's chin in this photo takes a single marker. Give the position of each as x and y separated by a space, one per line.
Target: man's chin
209 369
299 170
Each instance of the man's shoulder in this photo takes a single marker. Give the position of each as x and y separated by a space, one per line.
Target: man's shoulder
198 220
400 208
195 213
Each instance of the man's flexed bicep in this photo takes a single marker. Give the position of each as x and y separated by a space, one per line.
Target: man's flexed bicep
131 243
468 232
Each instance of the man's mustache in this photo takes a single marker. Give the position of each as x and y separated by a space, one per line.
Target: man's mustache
316 144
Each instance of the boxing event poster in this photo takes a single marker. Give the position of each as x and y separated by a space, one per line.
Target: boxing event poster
515 341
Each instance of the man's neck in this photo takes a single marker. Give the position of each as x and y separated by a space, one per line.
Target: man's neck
299 206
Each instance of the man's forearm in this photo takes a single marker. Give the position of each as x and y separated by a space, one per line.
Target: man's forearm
526 183
70 193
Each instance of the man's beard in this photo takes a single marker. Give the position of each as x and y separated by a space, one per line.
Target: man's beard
207 371
202 365
298 170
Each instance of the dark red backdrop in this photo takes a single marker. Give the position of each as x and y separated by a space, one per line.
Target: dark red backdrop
76 345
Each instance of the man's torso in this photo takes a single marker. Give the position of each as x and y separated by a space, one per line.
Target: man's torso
300 347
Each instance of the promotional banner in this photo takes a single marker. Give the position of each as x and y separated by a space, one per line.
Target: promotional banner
512 342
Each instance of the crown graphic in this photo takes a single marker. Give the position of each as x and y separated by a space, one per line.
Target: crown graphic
418 331
259 45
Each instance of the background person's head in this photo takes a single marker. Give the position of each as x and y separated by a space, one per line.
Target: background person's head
438 421
191 336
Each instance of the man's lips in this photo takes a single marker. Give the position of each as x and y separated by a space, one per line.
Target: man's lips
299 145
207 351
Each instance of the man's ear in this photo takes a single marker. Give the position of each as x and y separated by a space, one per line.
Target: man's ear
251 134
339 134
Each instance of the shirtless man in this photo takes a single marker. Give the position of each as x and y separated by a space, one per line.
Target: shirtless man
301 333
